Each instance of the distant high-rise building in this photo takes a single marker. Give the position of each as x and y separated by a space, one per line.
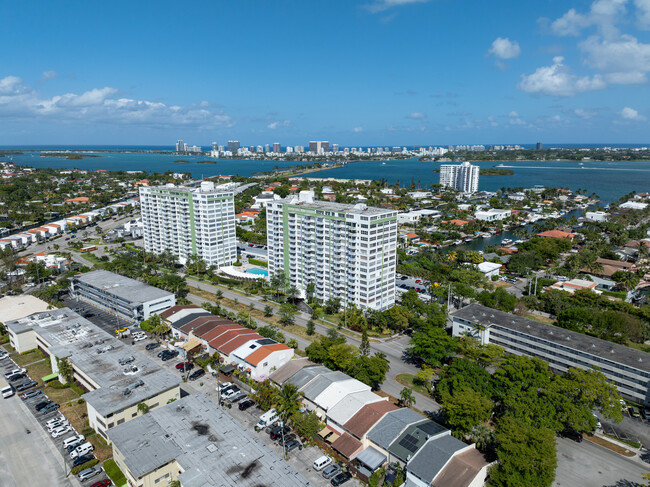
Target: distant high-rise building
267 148
233 146
190 221
277 148
319 146
538 146
335 147
299 149
463 177
260 149
180 146
289 149
215 146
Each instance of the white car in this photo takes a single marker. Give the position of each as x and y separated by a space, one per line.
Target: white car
58 424
60 431
8 392
138 338
58 419
72 440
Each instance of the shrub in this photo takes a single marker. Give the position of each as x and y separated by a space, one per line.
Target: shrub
56 384
77 389
258 262
237 264
80 401
84 466
88 432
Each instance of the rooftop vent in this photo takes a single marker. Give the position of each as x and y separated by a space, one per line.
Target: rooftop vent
611 351
640 359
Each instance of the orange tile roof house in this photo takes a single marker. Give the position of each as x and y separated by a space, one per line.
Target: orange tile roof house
556 234
78 199
458 222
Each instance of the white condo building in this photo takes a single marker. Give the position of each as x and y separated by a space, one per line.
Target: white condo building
463 177
347 251
190 221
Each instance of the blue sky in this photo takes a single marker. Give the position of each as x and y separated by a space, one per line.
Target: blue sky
367 72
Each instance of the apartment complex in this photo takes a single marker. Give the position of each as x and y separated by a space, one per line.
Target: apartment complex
348 252
127 298
98 365
628 369
190 221
198 444
463 177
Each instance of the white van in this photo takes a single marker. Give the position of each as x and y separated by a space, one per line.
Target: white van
266 419
322 462
8 392
82 450
72 440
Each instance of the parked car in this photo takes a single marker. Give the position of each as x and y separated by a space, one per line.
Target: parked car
102 483
59 419
182 365
15 377
13 372
321 462
341 478
331 471
571 434
39 406
89 473
197 374
224 386
152 345
292 445
187 368
230 393
237 397
82 459
60 431
73 446
139 338
244 405
73 439
287 438
82 449
169 356
26 385
50 407
32 393
57 424
278 431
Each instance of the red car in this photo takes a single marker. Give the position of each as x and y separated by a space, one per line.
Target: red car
102 483
182 365
418 281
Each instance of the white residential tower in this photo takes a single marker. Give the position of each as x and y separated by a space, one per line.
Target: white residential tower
463 177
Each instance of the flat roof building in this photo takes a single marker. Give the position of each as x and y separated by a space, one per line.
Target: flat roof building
188 221
194 441
131 300
628 369
112 395
348 252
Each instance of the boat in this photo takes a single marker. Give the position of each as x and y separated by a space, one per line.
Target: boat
458 242
517 242
468 239
500 165
505 242
383 163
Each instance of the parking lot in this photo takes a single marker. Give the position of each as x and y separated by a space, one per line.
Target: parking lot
301 460
42 417
106 321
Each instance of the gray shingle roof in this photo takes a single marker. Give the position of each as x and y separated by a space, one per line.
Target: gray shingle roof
303 376
433 456
392 425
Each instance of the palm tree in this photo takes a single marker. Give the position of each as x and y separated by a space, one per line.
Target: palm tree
406 397
288 401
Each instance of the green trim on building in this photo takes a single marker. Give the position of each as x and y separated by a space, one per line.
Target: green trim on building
192 224
285 242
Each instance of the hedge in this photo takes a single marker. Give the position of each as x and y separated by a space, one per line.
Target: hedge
258 262
84 466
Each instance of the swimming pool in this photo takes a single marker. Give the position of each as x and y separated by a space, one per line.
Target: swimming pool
259 272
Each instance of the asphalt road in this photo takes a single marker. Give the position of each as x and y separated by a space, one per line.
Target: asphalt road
589 465
392 348
27 455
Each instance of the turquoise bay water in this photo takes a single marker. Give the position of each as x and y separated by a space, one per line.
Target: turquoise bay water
609 180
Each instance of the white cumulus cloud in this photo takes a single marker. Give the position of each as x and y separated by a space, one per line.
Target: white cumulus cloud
558 80
417 116
631 114
357 130
504 48
602 14
623 60
381 5
642 14
99 105
279 123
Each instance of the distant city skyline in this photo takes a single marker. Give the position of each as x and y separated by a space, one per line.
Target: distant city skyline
389 72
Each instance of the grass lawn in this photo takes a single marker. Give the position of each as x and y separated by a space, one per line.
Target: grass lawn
39 370
103 450
407 381
114 473
28 357
76 413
